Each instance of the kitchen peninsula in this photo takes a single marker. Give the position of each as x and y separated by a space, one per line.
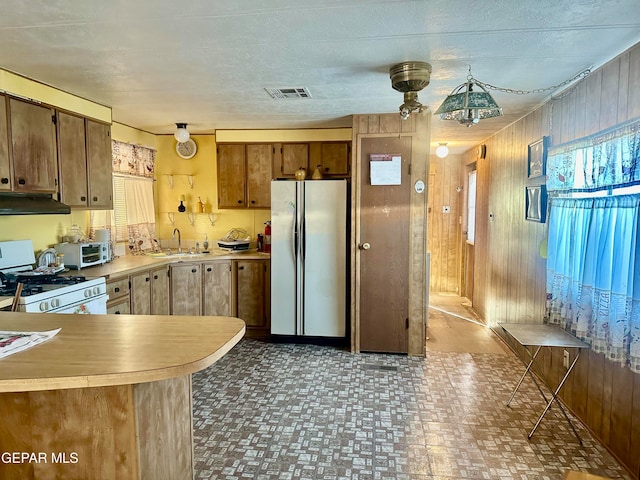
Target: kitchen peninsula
108 397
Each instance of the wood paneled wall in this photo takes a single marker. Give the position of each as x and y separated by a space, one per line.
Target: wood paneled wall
445 232
509 272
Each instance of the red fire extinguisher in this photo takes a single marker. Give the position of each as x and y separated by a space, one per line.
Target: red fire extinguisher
267 237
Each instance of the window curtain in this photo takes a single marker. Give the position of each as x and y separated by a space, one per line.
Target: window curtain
600 161
132 219
593 273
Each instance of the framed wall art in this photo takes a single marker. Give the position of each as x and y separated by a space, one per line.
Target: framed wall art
536 203
537 158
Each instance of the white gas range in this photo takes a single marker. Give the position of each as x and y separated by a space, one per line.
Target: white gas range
43 291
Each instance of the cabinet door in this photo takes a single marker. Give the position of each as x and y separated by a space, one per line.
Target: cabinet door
141 294
186 288
216 288
33 147
99 165
160 291
295 156
5 166
231 176
259 166
251 289
119 306
72 160
334 158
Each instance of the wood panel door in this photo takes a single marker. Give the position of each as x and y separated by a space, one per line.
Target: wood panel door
294 157
259 166
216 288
186 289
72 160
5 165
141 294
231 176
100 167
384 266
33 147
160 291
251 299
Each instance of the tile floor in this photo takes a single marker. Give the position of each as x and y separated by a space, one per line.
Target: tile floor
288 411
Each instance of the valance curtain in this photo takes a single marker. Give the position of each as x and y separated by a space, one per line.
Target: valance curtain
132 219
593 273
600 161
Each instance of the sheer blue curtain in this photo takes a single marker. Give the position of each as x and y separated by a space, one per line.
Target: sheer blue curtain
593 273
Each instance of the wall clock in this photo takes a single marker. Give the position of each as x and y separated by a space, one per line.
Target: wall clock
186 149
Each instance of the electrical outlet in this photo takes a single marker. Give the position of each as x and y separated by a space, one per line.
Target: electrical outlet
565 359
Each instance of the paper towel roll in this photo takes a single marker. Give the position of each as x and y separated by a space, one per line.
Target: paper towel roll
103 235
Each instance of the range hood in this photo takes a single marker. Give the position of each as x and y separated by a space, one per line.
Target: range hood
30 204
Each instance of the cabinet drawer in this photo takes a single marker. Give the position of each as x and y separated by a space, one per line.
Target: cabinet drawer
119 306
118 288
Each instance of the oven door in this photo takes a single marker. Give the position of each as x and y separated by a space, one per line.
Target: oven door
93 305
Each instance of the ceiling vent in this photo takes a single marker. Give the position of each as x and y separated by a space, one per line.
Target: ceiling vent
288 93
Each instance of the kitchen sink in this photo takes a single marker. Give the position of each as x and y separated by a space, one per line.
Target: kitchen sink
175 254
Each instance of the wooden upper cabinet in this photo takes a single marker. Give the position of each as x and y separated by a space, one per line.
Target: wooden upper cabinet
334 158
100 191
33 147
259 166
5 164
72 159
294 157
231 176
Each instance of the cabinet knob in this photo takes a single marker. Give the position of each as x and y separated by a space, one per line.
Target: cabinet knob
21 181
117 289
240 201
253 201
117 312
95 199
147 279
194 270
209 269
155 277
83 199
4 180
241 268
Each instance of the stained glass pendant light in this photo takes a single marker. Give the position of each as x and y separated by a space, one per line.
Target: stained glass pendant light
468 103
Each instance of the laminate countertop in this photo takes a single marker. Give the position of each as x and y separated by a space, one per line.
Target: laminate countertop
107 350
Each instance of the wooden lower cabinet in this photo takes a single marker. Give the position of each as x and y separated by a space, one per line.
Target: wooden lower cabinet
253 294
118 289
160 290
186 289
216 288
141 293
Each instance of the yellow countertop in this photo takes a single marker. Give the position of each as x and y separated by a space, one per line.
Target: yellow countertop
106 350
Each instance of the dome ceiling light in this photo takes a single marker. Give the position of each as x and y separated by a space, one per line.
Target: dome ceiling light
181 134
409 78
442 151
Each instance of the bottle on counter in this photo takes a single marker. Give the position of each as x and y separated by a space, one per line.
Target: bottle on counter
205 244
260 243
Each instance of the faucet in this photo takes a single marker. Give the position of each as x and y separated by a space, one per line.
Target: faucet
173 235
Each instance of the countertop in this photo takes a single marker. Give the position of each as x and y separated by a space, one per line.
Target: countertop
129 264
107 350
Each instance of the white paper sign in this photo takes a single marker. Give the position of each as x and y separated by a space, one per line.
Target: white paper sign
386 169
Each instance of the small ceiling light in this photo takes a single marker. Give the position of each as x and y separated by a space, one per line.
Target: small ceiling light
181 134
442 151
468 106
409 78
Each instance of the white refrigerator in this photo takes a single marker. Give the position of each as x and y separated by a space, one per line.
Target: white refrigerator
309 258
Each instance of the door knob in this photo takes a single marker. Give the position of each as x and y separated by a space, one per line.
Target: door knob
364 246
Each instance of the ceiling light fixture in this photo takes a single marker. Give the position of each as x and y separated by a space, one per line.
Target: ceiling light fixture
442 151
181 134
468 106
409 78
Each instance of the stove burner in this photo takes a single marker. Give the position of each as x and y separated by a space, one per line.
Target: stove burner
32 284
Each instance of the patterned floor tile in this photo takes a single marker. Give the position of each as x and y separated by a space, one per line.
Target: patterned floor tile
278 411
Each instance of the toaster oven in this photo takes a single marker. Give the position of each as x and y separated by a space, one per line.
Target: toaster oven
81 255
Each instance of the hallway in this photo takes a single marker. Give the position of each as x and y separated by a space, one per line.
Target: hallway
288 411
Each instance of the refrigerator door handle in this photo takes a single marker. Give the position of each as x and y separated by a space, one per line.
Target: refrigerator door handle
294 239
304 238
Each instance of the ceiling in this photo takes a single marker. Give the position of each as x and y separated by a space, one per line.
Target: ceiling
207 62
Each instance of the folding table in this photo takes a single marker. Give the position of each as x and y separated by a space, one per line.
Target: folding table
538 336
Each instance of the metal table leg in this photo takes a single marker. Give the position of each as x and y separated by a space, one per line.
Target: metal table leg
524 374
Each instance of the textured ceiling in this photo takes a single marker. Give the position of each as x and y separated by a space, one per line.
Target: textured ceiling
207 62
